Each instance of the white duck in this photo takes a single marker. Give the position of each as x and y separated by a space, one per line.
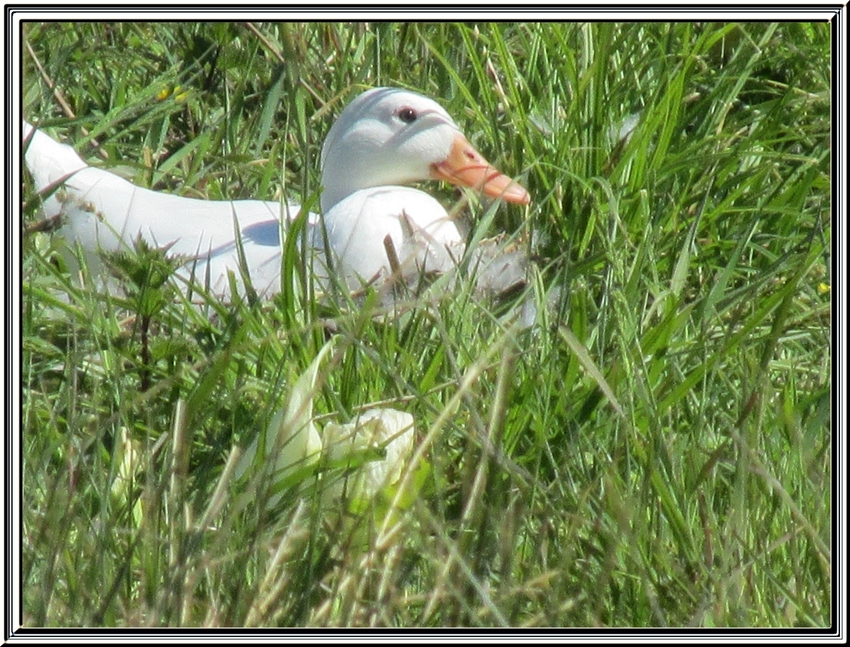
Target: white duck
384 138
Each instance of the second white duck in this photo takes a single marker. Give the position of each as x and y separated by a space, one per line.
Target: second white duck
385 138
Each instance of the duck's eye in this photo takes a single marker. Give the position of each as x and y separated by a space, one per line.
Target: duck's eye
407 115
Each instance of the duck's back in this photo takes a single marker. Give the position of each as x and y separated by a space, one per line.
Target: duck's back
101 211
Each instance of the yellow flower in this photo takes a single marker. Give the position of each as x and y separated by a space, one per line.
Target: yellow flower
177 92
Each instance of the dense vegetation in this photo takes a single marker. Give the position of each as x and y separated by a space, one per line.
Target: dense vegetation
654 451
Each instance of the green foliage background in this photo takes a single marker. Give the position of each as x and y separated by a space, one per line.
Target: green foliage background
654 452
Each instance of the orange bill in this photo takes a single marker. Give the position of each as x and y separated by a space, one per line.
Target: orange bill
465 166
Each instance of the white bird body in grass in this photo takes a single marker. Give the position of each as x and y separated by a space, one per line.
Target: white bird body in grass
383 139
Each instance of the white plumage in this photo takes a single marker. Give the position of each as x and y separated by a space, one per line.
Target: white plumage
386 137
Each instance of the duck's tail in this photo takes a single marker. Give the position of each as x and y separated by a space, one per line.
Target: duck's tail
49 162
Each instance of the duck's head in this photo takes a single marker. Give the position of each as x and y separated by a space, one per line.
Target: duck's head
389 136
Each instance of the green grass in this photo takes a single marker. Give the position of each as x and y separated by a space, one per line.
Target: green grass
654 452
